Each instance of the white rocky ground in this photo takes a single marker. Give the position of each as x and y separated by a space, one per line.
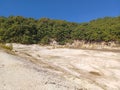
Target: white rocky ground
34 67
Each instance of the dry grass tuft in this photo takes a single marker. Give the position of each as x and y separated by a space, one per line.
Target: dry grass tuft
8 47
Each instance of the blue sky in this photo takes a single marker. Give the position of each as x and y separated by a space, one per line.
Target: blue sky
69 10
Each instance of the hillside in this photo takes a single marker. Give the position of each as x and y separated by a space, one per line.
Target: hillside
18 29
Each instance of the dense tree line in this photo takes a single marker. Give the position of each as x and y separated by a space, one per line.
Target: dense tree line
18 29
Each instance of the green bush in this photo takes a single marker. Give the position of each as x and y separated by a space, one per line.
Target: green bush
45 40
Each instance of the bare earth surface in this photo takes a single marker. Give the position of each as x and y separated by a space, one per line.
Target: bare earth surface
34 67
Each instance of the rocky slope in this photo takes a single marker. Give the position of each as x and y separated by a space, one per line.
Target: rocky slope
33 67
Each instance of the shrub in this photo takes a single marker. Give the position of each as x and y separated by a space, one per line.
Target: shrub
45 40
7 46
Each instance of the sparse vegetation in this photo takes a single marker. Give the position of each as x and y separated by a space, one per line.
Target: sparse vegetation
8 47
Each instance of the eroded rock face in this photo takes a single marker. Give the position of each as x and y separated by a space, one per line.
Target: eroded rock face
34 67
95 45
19 74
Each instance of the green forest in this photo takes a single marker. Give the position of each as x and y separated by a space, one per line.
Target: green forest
18 29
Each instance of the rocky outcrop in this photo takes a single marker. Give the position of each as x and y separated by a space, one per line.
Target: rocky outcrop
89 45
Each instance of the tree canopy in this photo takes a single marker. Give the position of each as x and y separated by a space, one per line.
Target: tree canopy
18 29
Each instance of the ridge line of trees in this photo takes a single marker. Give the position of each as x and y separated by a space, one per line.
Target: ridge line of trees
18 29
